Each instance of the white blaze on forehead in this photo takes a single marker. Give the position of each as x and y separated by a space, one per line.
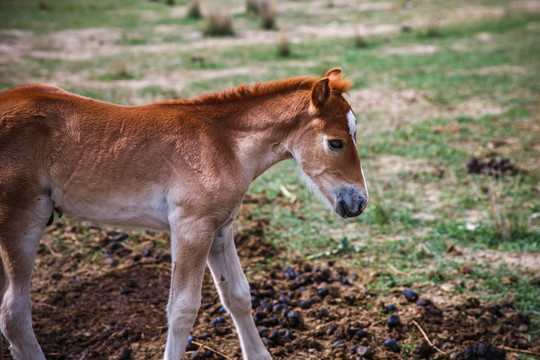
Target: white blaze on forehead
352 125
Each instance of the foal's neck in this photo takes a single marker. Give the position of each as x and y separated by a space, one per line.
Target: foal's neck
260 127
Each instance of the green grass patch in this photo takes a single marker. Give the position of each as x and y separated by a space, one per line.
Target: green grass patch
45 15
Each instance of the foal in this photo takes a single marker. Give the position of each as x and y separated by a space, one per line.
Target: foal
182 166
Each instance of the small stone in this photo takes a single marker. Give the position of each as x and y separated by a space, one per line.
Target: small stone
190 346
393 321
125 355
361 334
366 352
331 330
147 252
207 305
293 319
274 336
390 308
410 295
56 276
323 292
218 320
323 313
481 351
304 304
268 342
423 302
283 300
392 345
265 305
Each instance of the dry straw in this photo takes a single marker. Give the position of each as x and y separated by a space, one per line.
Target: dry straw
219 23
194 10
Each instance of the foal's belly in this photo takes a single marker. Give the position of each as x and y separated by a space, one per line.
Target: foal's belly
146 208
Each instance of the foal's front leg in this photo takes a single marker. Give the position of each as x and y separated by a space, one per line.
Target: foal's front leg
233 289
190 242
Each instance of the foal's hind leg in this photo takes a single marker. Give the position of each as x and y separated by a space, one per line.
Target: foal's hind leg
21 226
233 289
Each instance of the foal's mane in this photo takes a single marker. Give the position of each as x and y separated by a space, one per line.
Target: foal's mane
260 89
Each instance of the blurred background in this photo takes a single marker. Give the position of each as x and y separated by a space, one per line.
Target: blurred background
447 98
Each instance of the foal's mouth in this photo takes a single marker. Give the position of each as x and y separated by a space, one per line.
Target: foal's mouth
349 209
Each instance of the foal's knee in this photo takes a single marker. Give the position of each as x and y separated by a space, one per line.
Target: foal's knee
183 310
238 298
14 313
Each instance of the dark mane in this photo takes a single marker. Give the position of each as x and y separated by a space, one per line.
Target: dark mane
246 91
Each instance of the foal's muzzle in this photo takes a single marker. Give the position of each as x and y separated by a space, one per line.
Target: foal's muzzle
349 202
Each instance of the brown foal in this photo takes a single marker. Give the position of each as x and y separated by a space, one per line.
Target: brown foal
182 166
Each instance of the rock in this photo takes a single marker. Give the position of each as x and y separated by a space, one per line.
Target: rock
218 320
125 355
392 345
423 302
410 295
322 292
393 321
361 334
147 252
305 304
366 352
56 276
190 346
481 351
322 313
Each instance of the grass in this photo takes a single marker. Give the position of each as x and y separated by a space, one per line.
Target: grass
62 14
501 73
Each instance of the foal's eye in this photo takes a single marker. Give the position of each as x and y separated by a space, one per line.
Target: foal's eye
335 144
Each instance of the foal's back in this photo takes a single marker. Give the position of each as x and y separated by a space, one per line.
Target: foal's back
95 160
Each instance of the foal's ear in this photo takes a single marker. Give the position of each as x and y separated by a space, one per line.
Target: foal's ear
320 92
333 74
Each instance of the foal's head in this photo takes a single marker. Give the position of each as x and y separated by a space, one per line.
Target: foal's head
326 150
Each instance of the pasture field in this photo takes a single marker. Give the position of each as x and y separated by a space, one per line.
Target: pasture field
437 83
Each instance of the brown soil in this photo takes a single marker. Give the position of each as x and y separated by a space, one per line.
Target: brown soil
114 307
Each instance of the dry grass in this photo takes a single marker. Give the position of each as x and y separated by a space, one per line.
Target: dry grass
284 46
219 23
252 7
194 10
359 40
267 13
432 30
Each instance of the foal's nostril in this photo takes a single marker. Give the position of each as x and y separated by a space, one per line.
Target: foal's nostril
362 205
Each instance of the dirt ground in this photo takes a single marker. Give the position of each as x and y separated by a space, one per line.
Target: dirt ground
114 308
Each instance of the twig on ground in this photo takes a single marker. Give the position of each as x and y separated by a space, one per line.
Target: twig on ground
426 337
212 350
529 352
